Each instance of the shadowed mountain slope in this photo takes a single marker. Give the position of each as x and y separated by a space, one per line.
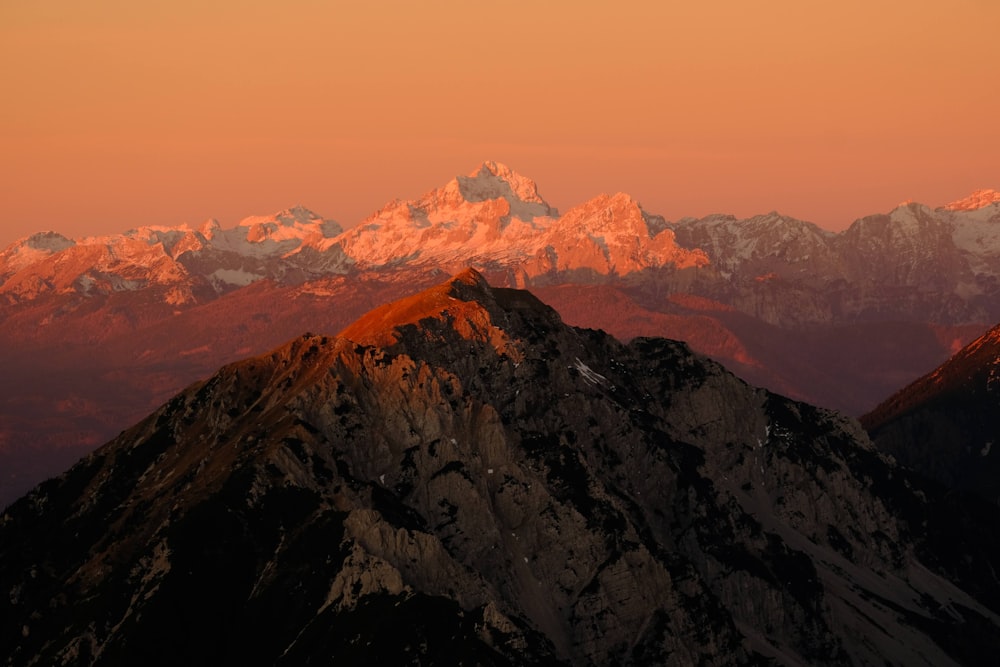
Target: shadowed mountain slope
947 423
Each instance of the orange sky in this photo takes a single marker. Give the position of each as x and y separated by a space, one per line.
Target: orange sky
116 114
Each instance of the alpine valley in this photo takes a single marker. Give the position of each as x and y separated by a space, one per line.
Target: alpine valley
459 477
97 332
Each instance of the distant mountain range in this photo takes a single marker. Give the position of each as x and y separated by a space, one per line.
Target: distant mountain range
937 265
913 263
458 477
95 332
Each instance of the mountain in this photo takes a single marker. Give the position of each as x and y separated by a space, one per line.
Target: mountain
945 423
459 477
493 218
96 332
176 265
977 200
492 215
912 264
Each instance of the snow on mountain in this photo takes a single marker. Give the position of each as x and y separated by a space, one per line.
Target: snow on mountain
100 265
498 181
493 214
942 263
274 235
291 245
181 258
491 217
30 250
977 200
976 232
919 245
764 243
611 234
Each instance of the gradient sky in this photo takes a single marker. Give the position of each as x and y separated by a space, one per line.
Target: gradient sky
115 114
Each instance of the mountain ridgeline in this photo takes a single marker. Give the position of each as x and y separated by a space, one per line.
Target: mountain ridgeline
461 478
96 332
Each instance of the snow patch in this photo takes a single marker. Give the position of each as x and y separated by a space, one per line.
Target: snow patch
235 277
589 374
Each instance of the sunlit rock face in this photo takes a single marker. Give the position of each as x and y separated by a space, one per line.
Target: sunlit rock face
460 477
975 201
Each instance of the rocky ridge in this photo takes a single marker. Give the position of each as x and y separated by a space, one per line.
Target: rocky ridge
977 200
499 488
914 263
944 423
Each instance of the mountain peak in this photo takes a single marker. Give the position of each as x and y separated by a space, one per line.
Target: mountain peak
493 180
297 213
209 228
50 241
289 217
469 278
465 297
977 200
525 188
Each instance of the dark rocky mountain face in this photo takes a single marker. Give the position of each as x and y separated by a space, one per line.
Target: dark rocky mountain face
460 478
947 423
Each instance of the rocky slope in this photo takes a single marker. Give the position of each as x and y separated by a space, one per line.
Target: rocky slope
460 477
945 423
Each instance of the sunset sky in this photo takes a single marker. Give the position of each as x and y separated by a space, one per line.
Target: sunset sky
115 114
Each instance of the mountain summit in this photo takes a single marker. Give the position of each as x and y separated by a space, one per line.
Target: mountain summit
459 477
977 200
494 180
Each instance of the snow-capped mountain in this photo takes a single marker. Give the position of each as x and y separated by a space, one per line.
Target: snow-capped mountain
610 235
179 265
493 218
977 200
913 263
760 246
938 265
492 215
